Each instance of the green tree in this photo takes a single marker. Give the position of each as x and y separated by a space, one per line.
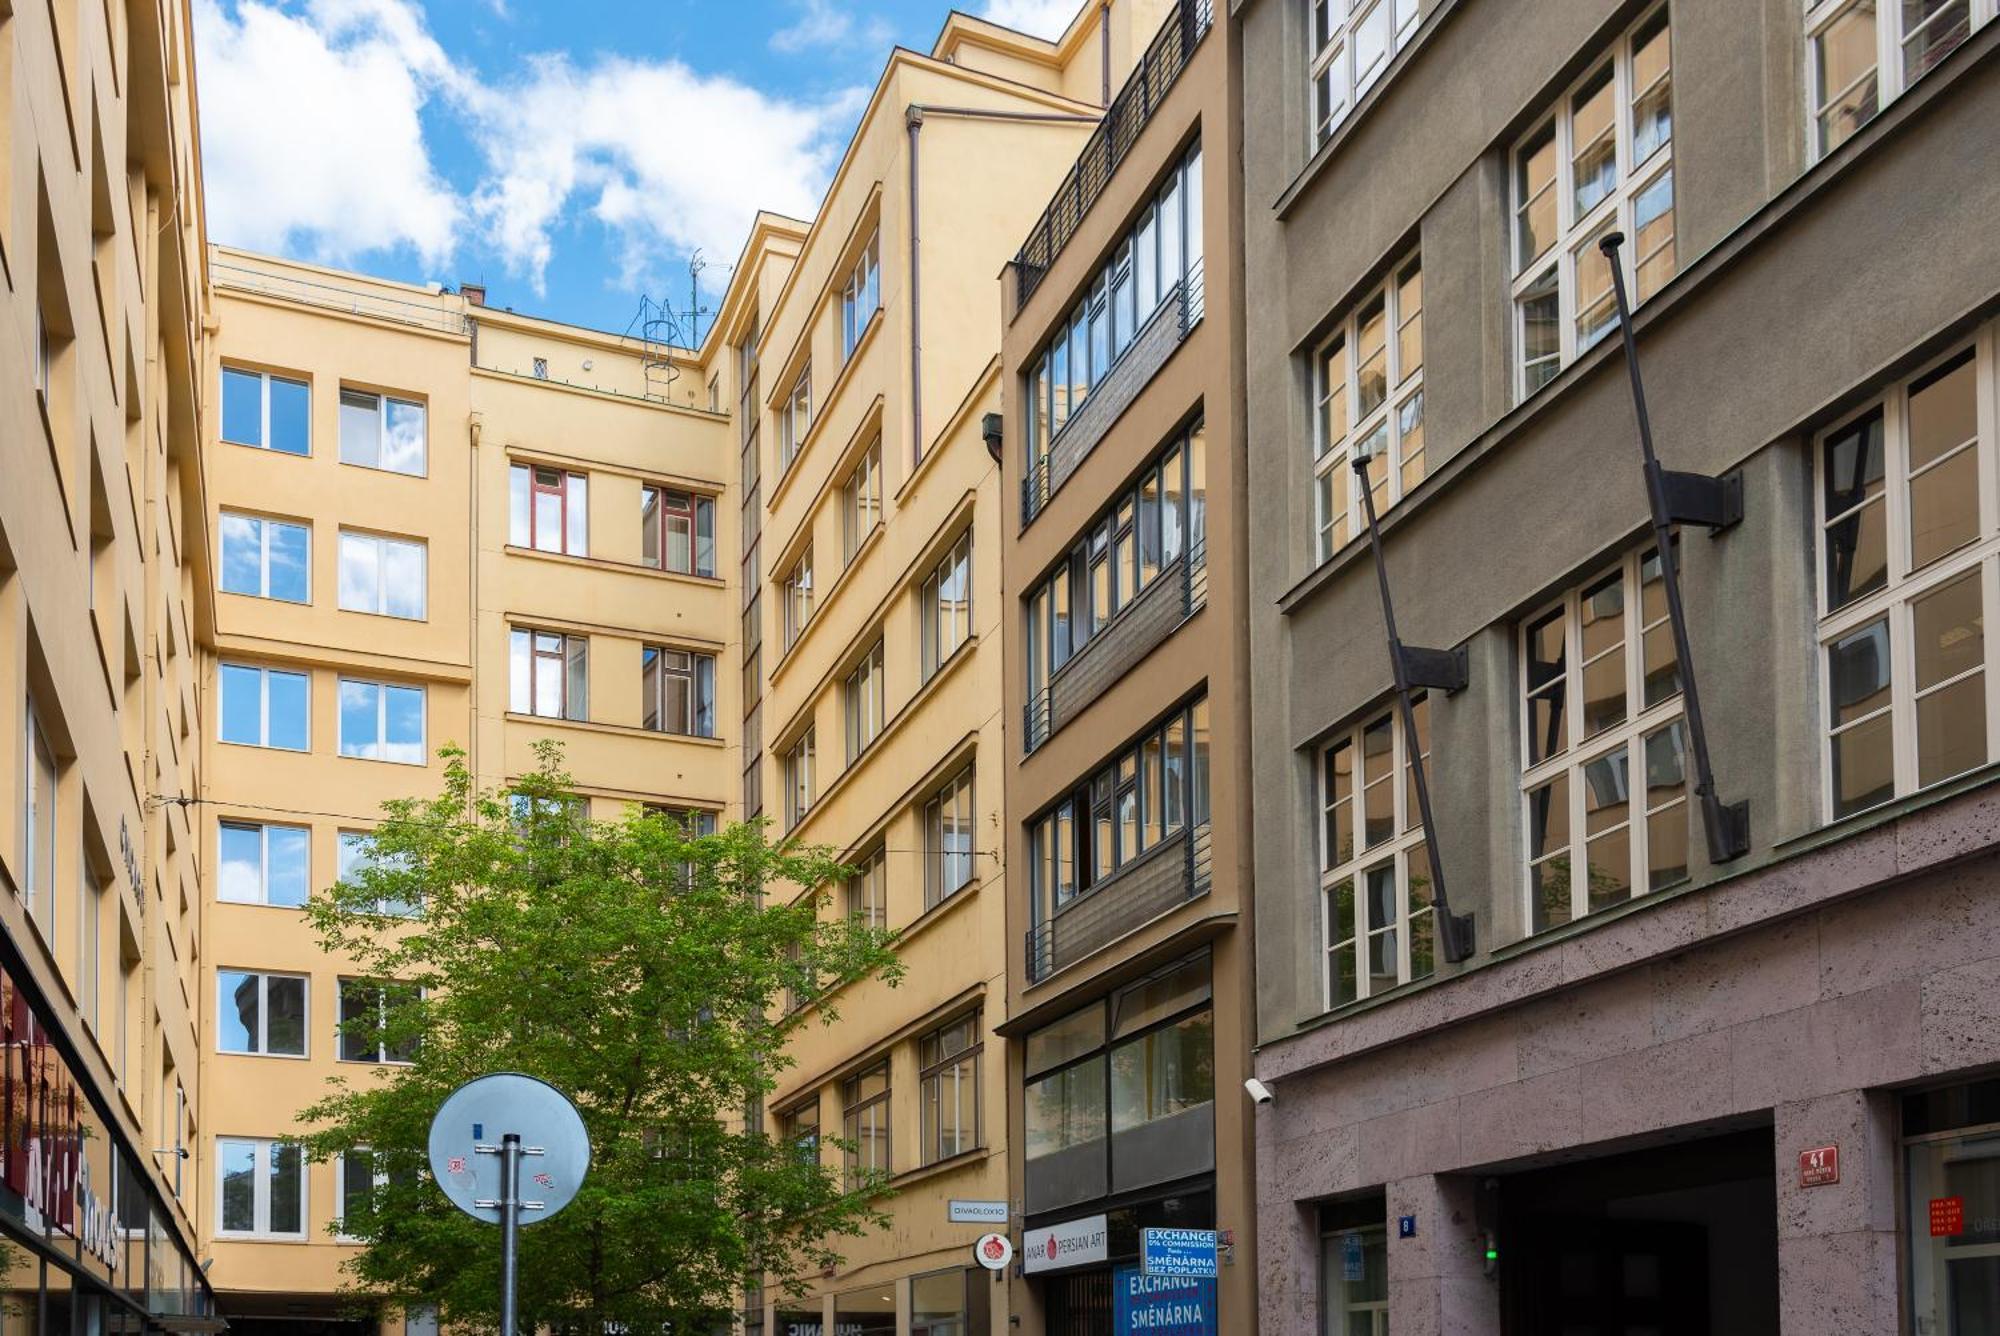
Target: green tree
640 970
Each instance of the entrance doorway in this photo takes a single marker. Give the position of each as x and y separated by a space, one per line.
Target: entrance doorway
1681 1240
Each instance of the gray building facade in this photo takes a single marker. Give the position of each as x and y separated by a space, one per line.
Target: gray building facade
1663 1092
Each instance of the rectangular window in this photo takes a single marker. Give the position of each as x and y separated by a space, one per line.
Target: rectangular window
867 892
948 1062
266 412
548 510
266 558
1951 1172
1604 779
1375 875
799 780
861 501
261 1186
358 1176
358 858
678 690
380 722
369 1028
384 576
1354 1266
263 864
1368 402
39 853
865 1124
795 419
798 597
1907 582
1862 54
264 707
379 431
1351 44
1600 162
261 1014
798 1127
861 296
945 606
677 531
548 674
948 839
863 703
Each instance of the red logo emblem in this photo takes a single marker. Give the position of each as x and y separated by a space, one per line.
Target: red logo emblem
994 1247
1052 1248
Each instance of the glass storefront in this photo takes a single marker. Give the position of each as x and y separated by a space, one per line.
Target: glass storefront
1091 1300
1951 1150
1354 1267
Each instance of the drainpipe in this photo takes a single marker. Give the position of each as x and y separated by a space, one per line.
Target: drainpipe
1104 48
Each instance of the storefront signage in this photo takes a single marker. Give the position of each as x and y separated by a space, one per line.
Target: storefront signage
1947 1217
130 854
1819 1166
977 1212
993 1251
1072 1243
1144 1305
1189 1253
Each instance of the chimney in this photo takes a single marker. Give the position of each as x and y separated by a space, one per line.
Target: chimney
475 293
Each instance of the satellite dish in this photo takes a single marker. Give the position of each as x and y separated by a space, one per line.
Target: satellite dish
467 1139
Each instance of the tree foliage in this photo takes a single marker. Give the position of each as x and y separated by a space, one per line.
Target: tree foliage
636 967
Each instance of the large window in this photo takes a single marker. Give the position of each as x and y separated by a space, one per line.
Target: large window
860 296
798 1127
261 1186
265 411
795 418
1352 43
382 575
949 1303
1145 271
358 858
368 1023
1354 1267
1123 551
379 431
863 702
1907 582
381 722
1951 1173
948 839
266 558
1368 398
261 1014
39 827
358 1176
263 864
677 531
867 892
264 707
861 500
1152 791
678 690
864 1121
548 510
1375 877
945 606
948 1073
1862 54
798 597
548 674
1604 748
799 790
1602 161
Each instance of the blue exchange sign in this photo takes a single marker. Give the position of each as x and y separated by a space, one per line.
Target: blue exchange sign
1178 1252
1144 1305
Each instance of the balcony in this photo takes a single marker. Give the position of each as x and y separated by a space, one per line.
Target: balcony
1165 330
1113 138
1177 594
1171 873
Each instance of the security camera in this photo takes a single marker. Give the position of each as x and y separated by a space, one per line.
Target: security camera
1259 1092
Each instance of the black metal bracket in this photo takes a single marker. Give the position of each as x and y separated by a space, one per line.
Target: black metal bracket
1443 670
1698 498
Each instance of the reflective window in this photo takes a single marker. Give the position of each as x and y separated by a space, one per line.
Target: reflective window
263 707
385 576
266 558
379 431
382 722
262 864
266 411
1350 44
260 1188
1862 54
1368 402
262 1014
1375 873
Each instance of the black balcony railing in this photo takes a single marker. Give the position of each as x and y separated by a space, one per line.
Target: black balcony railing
1112 140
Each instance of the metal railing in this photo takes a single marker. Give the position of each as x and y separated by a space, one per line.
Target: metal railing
1098 908
339 297
1194 576
1107 146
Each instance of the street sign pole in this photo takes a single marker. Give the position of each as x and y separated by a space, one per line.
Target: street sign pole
510 1226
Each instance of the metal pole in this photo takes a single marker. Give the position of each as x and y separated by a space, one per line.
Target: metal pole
510 1226
1724 830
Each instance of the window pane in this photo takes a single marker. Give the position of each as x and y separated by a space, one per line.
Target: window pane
242 555
287 1190
360 573
242 704
288 709
1951 730
290 561
403 579
360 429
1857 545
1948 626
242 407
405 722
239 1185
1858 666
1931 29
1944 496
238 1018
285 854
285 1025
519 673
240 853
518 501
1863 766
360 724
291 416
1844 66
403 442
576 539
1534 196
1594 142
1653 222
1652 85
1541 330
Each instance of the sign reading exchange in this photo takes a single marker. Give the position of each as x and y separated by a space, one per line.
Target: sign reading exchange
1071 1243
1144 1305
1178 1252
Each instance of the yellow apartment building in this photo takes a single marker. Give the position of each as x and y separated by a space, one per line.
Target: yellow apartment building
104 604
435 523
864 355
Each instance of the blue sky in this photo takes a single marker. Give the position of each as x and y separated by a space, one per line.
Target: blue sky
571 154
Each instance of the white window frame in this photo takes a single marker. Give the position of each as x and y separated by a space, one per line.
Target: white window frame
262 1041
381 409
1570 764
1575 236
798 598
795 418
264 676
861 295
1891 75
864 700
266 1171
1907 584
381 543
1402 851
265 378
1333 30
263 829
264 526
380 740
947 871
798 774
861 500
354 848
1398 418
940 635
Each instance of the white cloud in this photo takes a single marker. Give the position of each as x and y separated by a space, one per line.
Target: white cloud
1042 18
823 25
